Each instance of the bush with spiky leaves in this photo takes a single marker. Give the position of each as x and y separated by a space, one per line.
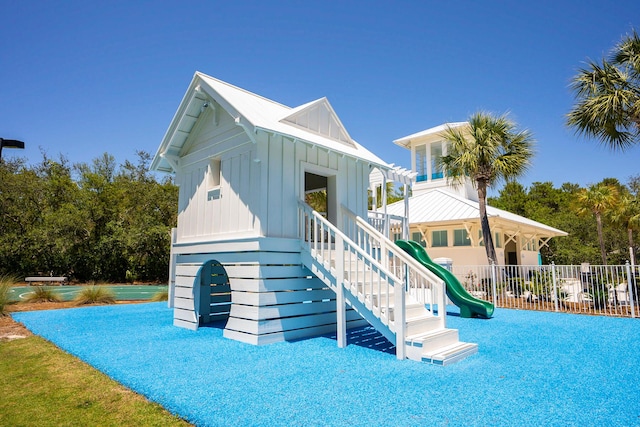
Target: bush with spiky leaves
42 294
161 296
6 283
95 295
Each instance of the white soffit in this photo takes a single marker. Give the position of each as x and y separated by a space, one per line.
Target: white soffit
429 135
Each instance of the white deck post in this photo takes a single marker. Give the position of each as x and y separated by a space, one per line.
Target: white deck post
172 269
405 228
494 284
399 315
631 289
341 306
555 286
384 206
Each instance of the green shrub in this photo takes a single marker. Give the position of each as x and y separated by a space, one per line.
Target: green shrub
6 283
95 295
42 294
161 296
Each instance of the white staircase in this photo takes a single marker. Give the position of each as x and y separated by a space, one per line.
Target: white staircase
384 285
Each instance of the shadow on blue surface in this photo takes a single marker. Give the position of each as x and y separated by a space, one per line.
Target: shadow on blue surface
368 337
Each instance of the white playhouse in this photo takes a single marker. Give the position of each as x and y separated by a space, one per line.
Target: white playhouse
250 253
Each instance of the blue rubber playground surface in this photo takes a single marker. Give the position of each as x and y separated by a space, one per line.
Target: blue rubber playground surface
533 369
121 292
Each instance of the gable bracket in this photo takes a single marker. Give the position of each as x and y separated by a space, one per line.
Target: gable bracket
243 125
172 159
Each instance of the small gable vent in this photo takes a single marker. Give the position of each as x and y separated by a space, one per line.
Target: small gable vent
318 117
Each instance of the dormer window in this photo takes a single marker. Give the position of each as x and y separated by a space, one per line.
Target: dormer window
436 155
421 163
427 161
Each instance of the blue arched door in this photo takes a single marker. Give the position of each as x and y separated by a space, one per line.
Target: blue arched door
215 293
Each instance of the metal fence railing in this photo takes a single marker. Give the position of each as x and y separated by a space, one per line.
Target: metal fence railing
609 290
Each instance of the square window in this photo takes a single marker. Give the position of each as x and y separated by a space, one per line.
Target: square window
498 240
461 238
416 236
439 239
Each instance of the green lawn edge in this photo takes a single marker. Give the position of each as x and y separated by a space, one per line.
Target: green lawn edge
45 386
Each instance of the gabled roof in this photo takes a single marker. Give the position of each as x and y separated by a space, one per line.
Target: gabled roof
429 135
318 117
314 123
439 207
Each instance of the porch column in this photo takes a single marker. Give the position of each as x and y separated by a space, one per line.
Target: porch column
384 205
405 223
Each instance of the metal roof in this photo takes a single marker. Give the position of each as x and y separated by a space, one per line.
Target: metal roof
254 113
431 134
438 206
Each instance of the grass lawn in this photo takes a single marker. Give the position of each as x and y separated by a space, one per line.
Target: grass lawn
42 385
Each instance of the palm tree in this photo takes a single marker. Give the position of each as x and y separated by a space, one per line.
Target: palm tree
488 150
608 97
598 200
627 213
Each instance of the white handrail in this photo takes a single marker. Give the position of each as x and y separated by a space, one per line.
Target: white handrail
421 283
355 271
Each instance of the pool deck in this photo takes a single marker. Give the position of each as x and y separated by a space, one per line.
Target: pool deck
532 369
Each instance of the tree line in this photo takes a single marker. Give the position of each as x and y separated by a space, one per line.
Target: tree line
601 219
86 221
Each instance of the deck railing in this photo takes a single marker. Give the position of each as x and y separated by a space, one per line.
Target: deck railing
609 290
355 271
384 223
422 285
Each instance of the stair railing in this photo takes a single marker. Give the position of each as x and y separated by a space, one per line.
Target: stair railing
420 283
355 271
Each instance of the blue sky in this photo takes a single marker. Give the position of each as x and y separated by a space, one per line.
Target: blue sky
84 77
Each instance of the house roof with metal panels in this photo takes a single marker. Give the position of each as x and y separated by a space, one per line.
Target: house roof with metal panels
428 135
438 207
314 123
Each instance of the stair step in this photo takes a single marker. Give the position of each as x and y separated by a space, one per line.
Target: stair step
416 310
422 324
450 354
434 340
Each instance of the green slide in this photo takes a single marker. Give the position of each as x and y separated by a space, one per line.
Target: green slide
470 306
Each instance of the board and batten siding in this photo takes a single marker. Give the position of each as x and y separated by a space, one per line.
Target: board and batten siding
232 210
284 162
251 229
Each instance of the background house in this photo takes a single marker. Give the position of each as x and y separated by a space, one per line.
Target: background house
446 219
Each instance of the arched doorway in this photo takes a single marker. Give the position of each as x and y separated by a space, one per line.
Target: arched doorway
215 293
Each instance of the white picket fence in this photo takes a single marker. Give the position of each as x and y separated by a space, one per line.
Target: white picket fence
609 290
